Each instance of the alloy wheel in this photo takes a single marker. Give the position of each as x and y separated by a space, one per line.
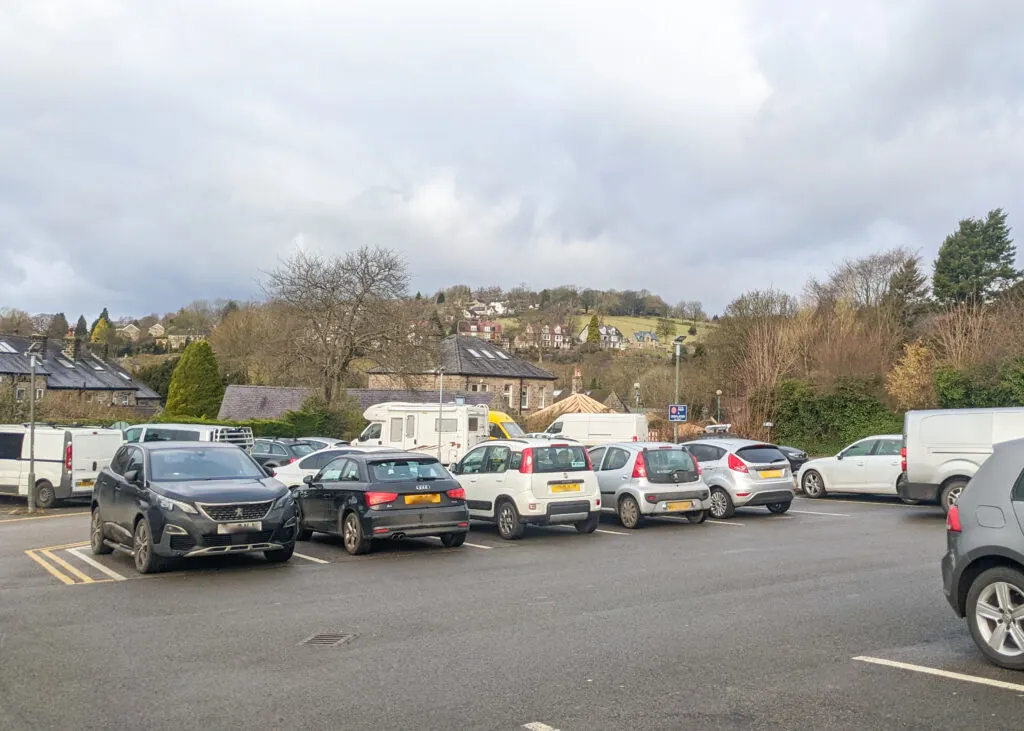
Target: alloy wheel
97 530
953 495
719 505
1000 618
506 519
141 544
351 536
812 484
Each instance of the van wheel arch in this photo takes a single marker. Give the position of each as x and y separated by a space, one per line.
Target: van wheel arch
947 486
46 494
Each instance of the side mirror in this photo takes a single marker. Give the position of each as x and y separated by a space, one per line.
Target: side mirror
133 477
840 456
308 479
455 469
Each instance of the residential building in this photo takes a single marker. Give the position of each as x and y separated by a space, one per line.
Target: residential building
69 367
157 330
178 341
484 329
476 366
130 332
611 337
646 339
546 337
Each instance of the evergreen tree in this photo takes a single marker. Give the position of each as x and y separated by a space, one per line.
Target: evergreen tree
81 328
158 376
593 331
976 262
102 332
196 388
58 326
419 296
907 295
104 317
440 298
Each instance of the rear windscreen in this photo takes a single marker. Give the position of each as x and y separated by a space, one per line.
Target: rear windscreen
396 470
559 459
761 454
667 461
171 435
301 450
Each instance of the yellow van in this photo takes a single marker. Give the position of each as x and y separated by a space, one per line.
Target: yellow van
503 426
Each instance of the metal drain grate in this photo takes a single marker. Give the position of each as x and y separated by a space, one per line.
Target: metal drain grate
329 639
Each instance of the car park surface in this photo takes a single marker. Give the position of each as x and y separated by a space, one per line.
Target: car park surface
578 642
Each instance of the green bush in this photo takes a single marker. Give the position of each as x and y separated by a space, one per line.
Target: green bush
982 386
823 423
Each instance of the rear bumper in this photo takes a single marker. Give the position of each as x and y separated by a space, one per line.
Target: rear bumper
700 499
413 523
950 583
562 511
918 491
768 497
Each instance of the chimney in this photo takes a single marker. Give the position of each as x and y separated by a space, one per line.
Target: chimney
72 346
38 341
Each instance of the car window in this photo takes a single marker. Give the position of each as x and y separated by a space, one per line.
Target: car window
889 447
555 428
261 445
496 432
318 461
132 435
498 459
278 450
120 461
473 462
202 463
332 472
668 461
350 472
514 430
761 454
703 452
134 461
860 449
560 459
616 459
406 468
372 431
596 455
302 449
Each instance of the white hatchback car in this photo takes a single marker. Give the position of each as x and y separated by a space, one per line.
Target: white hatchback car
515 482
292 474
872 465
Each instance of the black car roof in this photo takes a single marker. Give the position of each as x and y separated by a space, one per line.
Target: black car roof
388 456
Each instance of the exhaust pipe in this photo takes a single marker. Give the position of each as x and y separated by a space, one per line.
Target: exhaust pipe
398 536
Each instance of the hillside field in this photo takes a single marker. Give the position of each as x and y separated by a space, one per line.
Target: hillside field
629 325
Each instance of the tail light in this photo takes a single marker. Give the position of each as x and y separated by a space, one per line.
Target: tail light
635 438
903 459
526 465
736 464
696 465
457 493
953 519
590 465
640 468
292 460
379 498
67 457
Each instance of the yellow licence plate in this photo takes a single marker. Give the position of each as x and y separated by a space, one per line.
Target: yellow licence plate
771 473
434 497
575 487
680 505
86 483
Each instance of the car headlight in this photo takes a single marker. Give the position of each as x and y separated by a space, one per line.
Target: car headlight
285 500
168 504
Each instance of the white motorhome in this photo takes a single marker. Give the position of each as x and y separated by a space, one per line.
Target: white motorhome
595 429
943 448
417 428
67 460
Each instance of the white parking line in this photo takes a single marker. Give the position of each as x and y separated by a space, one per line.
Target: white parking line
942 673
723 522
818 512
538 726
96 564
611 532
477 545
826 501
309 558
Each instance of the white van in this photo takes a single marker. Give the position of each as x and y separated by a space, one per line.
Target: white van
943 448
416 428
240 435
67 460
595 429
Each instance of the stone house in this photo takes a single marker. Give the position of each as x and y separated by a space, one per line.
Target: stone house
611 337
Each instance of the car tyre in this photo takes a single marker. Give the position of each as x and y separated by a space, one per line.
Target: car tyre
951 493
696 518
96 544
813 485
779 508
453 540
629 512
280 555
356 543
510 527
301 534
46 496
721 504
146 560
1000 591
590 524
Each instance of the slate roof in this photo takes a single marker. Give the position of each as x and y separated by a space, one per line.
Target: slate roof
367 397
261 402
89 373
462 355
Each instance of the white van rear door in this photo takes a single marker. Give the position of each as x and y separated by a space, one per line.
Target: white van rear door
11 446
90 453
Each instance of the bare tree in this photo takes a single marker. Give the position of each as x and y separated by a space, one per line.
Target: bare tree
350 306
960 332
15 322
862 282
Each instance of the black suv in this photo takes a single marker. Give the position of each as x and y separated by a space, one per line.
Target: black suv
279 452
166 500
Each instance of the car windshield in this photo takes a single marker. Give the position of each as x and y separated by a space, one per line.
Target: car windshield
397 470
181 465
301 450
514 430
667 461
761 454
560 459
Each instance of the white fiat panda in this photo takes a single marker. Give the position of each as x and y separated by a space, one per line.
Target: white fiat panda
515 482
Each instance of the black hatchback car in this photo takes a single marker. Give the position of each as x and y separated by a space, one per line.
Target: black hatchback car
367 496
161 501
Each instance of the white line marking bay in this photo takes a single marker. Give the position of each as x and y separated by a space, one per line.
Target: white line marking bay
942 673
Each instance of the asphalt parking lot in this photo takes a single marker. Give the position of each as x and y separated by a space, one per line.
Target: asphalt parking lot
829 617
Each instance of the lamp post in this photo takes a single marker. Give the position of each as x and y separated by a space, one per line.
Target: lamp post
718 394
636 392
675 426
33 349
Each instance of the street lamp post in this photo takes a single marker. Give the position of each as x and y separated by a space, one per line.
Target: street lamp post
440 413
718 394
32 429
675 426
636 393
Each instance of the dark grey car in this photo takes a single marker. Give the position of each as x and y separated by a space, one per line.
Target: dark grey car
983 569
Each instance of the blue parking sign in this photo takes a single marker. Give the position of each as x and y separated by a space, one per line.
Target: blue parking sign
677 413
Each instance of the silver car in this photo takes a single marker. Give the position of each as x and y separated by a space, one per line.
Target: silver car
743 472
639 479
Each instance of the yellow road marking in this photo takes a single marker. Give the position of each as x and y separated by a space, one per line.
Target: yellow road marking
64 564
76 544
52 571
40 517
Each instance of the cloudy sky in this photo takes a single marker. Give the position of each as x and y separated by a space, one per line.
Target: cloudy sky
152 153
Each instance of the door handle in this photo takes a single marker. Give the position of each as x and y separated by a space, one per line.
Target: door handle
624 477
